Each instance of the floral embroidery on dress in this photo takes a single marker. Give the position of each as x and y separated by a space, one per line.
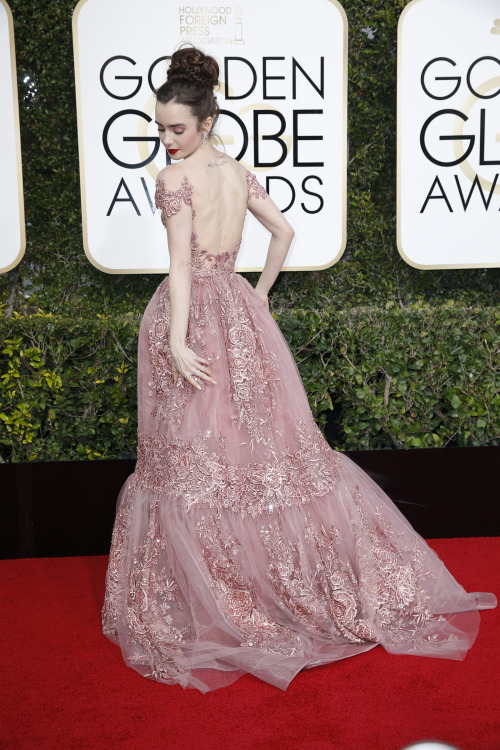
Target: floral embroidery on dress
207 265
255 189
171 400
171 201
114 574
324 598
151 595
252 372
200 473
253 378
236 595
392 578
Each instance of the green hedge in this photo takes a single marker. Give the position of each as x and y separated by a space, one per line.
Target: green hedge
68 388
393 378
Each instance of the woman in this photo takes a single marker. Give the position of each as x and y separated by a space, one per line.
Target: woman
242 542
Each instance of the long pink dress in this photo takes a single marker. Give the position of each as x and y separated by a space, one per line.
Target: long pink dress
242 542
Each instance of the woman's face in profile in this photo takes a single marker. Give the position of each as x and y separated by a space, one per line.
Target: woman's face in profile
177 129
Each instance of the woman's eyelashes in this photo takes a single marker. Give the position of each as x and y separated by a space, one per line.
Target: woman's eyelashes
176 132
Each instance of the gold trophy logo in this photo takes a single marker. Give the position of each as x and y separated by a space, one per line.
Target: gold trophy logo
238 26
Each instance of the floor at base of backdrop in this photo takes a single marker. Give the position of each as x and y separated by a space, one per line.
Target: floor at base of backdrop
66 686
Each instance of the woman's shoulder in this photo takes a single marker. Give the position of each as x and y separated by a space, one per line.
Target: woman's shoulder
255 189
233 162
173 190
247 179
238 167
172 175
253 185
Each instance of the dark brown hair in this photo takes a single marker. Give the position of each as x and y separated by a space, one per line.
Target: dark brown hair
191 79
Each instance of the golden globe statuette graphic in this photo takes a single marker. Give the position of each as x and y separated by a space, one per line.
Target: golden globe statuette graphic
448 141
12 232
284 115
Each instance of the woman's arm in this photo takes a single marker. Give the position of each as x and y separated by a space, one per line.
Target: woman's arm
269 215
177 217
179 228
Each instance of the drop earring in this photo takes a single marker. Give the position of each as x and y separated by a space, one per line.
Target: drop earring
204 138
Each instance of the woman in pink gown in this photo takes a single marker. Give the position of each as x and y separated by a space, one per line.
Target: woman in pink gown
242 542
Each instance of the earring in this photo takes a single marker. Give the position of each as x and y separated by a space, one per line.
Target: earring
204 138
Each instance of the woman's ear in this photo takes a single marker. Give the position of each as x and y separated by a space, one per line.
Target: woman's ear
207 124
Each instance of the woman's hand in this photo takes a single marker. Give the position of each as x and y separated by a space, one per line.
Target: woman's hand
187 364
265 299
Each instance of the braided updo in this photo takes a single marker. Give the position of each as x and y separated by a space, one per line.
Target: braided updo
191 79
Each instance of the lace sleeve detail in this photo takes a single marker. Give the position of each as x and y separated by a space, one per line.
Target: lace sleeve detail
255 189
171 201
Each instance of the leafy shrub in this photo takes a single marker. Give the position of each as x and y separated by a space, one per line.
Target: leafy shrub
67 389
401 378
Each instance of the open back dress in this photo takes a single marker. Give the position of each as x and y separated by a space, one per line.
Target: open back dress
243 543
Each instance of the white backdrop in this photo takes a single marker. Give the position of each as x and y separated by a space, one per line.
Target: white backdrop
294 51
12 237
449 133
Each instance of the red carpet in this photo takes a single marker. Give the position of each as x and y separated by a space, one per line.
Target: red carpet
66 686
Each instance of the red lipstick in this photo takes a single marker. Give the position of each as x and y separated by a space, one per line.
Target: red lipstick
172 150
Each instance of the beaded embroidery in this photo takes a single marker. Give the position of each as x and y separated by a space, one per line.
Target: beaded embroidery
392 578
236 595
324 598
171 201
200 473
255 189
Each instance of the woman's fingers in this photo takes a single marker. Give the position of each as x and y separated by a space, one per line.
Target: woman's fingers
192 379
201 371
204 374
208 378
265 299
192 374
192 368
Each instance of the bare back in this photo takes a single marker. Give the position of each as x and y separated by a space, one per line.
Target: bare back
219 199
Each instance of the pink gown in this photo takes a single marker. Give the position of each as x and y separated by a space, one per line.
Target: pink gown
243 543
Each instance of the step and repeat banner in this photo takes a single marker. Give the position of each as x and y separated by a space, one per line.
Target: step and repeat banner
449 133
12 232
283 96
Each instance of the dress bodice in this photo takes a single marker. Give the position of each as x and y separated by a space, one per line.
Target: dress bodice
205 264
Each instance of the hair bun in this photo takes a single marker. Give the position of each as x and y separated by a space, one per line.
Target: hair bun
194 66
